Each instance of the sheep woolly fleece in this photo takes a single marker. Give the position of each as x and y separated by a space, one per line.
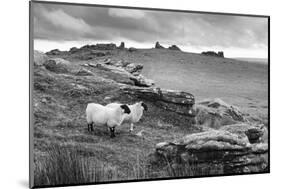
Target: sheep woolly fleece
102 115
134 116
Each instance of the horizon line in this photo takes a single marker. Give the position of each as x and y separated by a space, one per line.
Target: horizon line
80 44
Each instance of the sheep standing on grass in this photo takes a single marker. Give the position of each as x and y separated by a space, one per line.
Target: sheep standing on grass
135 115
99 115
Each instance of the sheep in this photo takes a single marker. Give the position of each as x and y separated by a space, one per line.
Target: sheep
135 115
100 115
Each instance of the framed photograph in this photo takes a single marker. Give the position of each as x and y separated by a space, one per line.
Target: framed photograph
125 94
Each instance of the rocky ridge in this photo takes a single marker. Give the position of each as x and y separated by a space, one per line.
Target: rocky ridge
212 53
131 82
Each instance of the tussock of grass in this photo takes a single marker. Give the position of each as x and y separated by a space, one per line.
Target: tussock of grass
188 170
61 166
70 165
65 165
165 167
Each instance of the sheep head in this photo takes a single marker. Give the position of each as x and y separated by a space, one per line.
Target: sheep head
125 109
144 106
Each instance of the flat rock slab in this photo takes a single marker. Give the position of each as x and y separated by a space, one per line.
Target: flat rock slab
137 80
176 101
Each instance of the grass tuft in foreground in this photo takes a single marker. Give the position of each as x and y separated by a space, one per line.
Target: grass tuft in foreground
64 165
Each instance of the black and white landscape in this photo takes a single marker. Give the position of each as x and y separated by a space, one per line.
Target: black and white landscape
205 110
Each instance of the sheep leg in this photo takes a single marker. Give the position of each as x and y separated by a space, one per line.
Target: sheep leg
132 127
112 132
90 127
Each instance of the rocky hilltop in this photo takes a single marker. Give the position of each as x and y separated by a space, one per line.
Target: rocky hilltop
130 80
212 53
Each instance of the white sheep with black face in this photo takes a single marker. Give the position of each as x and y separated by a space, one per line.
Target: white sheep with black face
134 116
99 115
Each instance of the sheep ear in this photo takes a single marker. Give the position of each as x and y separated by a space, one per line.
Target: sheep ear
126 109
144 106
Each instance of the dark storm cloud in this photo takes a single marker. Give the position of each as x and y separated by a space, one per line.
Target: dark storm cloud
66 22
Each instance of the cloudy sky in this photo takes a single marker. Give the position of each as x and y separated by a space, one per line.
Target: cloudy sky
65 26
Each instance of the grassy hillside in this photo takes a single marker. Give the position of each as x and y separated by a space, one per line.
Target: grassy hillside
61 96
236 82
254 60
60 101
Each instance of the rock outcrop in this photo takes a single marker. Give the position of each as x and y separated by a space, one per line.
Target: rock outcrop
228 144
57 65
158 46
134 69
142 81
54 52
86 52
132 49
102 46
122 45
253 132
130 67
218 151
73 50
215 113
212 53
39 58
175 101
220 54
90 54
174 47
98 53
130 72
